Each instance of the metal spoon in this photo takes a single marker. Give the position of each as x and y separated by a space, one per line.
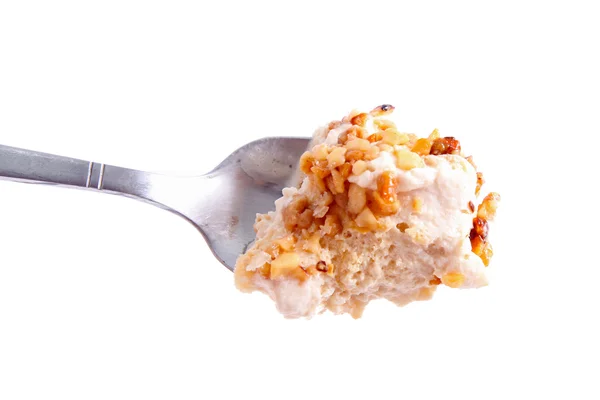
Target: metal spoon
221 204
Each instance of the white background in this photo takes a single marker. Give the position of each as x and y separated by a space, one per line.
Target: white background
106 298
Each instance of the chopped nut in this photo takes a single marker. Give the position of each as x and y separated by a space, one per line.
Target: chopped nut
286 243
489 205
320 152
483 249
380 206
359 119
366 219
480 228
343 138
284 264
265 270
435 134
422 147
480 182
402 226
385 147
320 171
357 132
435 281
408 160
386 186
358 144
312 244
393 137
338 181
354 155
376 137
446 145
453 279
341 199
318 182
336 157
371 153
486 253
417 204
359 167
470 160
471 206
332 225
306 219
345 170
291 213
383 124
306 162
357 198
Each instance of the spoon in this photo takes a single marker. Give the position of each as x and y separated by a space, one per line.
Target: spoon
221 204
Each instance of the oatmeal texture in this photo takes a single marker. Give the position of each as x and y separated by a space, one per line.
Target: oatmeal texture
379 213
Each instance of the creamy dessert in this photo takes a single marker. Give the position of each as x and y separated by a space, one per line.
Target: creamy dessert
378 214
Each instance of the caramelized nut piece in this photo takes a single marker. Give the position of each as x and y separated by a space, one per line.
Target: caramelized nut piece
306 219
366 219
489 205
385 147
383 124
312 244
408 160
402 226
446 145
265 271
471 206
486 253
332 225
376 137
422 147
320 171
358 144
393 137
306 162
480 228
359 167
284 264
359 119
480 182
453 279
372 153
345 170
435 134
318 182
382 207
341 199
286 243
291 213
435 281
354 155
357 198
386 187
336 157
320 152
338 181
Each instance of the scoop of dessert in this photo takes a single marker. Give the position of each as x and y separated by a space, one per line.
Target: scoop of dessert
378 214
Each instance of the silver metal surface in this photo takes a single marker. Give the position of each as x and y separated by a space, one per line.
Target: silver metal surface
222 204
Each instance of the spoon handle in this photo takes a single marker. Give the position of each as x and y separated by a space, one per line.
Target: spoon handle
36 167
